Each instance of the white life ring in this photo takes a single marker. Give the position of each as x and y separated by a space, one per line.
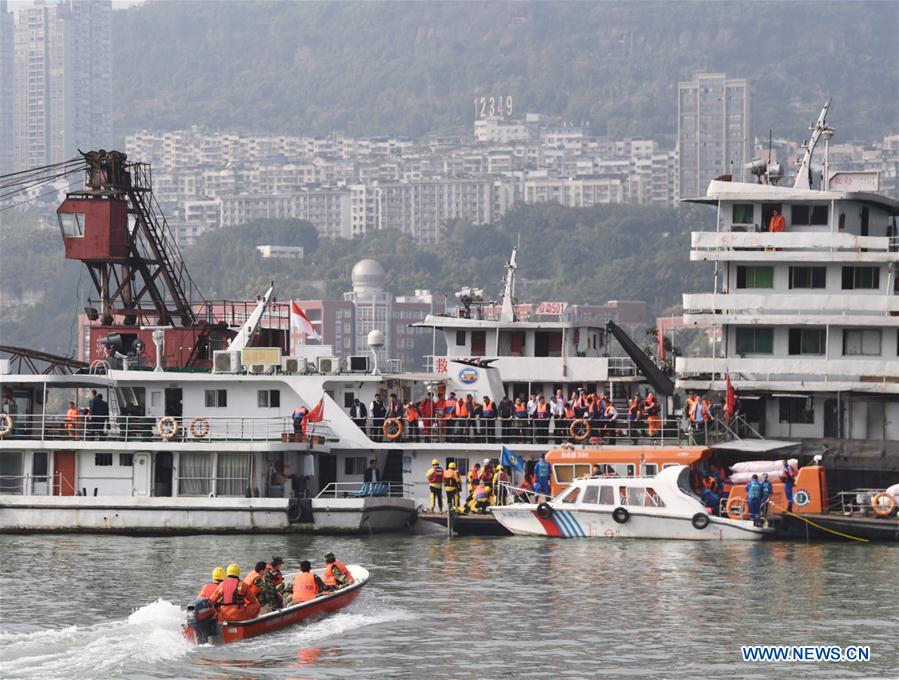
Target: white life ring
167 428
6 424
199 427
802 497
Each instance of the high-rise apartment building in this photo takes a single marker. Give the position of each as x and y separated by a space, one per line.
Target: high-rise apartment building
712 130
61 85
7 27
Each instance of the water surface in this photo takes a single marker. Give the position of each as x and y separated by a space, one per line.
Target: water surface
110 607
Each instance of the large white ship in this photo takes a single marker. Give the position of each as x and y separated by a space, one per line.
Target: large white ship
808 304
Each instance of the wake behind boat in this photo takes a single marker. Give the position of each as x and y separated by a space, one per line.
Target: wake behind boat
203 627
617 507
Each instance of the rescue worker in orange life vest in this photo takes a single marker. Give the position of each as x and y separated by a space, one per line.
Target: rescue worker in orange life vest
434 475
336 573
218 575
451 485
474 475
306 585
482 499
498 477
233 599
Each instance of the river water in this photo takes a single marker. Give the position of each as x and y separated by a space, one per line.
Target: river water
101 607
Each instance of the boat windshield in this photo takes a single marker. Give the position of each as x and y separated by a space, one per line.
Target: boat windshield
683 483
569 495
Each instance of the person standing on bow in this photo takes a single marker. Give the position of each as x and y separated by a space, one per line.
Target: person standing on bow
452 483
754 498
788 477
542 473
434 475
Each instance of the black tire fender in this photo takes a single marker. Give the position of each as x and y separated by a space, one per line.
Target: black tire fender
621 515
545 510
700 520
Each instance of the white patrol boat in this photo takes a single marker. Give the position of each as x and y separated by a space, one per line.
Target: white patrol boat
663 506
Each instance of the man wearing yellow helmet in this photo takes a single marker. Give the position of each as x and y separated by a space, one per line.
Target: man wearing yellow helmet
434 476
452 482
499 478
234 600
218 575
482 499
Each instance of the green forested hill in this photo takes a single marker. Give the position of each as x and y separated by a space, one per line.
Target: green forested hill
414 67
575 255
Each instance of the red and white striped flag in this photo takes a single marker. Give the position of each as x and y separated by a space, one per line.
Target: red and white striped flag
301 322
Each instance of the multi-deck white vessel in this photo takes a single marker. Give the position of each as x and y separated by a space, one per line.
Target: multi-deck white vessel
809 315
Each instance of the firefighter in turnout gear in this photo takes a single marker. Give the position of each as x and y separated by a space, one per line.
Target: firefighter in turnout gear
452 483
233 598
435 484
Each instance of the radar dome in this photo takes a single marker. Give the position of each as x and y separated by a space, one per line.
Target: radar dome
368 275
376 338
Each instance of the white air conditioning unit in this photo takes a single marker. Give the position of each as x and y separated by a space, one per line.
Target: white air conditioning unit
258 369
224 361
292 365
359 363
328 365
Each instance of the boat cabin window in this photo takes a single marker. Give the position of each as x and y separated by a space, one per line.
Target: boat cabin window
665 466
808 215
743 214
652 500
635 496
354 465
216 398
460 338
565 474
622 495
630 471
650 469
548 344
591 493
606 495
269 398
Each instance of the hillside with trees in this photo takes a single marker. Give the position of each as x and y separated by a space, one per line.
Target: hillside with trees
415 67
576 255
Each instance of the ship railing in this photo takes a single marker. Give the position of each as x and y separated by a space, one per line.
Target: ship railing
854 502
128 428
367 489
552 432
506 494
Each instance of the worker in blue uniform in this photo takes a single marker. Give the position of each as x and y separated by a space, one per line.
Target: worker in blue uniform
767 490
754 497
542 472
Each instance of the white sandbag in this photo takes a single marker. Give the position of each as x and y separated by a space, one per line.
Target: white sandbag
762 465
744 477
894 491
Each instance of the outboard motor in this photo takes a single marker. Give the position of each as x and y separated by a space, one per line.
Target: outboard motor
201 618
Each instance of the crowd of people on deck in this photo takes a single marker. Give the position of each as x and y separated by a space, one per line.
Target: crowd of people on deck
487 484
264 589
452 418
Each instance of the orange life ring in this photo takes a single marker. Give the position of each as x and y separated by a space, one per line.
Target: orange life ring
7 424
883 510
393 428
199 427
731 502
579 429
167 427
